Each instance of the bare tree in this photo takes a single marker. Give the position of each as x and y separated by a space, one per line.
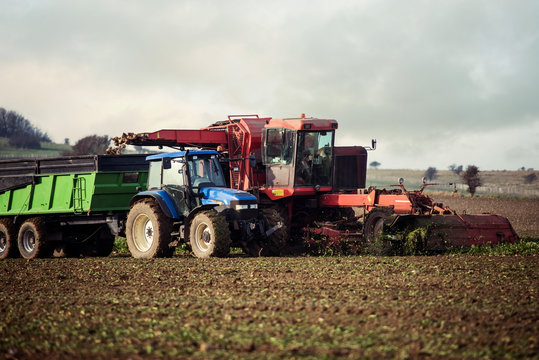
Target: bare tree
431 173
471 178
456 169
89 145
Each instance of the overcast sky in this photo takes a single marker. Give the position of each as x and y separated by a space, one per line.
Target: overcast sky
436 82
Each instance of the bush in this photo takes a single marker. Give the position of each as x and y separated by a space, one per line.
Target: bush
528 179
89 145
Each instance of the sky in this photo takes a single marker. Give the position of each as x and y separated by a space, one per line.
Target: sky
435 82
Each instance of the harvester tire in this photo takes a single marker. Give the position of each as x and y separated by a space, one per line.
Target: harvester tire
148 230
100 245
32 240
8 239
209 235
374 223
276 242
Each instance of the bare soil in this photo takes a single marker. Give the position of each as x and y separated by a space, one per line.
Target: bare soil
453 306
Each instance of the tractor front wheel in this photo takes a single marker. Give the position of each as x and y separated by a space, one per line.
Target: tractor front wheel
148 230
209 235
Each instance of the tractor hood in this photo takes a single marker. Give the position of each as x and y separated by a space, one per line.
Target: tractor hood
224 196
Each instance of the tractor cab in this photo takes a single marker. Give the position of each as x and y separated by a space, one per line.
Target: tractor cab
298 154
192 179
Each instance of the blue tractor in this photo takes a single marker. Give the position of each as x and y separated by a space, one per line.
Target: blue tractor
187 200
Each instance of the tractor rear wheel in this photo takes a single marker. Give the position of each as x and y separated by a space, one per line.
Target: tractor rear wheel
32 240
276 241
8 239
148 230
209 235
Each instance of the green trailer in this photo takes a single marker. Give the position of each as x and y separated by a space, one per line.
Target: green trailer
69 205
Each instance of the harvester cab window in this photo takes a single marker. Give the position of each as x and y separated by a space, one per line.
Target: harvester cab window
314 156
279 146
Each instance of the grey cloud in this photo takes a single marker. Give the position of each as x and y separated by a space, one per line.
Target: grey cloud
407 71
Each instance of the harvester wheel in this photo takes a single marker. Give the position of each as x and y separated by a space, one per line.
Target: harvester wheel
32 240
66 250
100 245
209 235
8 239
374 223
148 230
276 242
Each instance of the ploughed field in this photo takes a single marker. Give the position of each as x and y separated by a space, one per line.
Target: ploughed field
452 306
446 306
523 214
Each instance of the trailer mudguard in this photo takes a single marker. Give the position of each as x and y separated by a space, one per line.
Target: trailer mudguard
162 198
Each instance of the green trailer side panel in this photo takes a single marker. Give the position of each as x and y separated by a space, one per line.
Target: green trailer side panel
113 191
73 193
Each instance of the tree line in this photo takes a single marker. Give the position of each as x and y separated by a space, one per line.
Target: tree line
20 131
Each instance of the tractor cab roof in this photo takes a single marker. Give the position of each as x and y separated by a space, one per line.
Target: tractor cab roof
178 154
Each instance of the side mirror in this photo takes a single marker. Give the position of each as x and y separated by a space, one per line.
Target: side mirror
167 163
252 161
373 144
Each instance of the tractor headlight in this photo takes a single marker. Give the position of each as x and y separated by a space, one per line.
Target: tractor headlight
242 206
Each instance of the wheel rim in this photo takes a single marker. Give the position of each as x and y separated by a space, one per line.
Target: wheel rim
203 237
29 241
3 242
143 233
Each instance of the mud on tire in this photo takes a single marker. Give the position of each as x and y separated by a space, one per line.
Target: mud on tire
148 230
276 242
32 240
8 239
373 228
209 235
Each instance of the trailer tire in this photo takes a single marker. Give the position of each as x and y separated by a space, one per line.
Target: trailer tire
32 240
148 230
209 235
276 242
8 239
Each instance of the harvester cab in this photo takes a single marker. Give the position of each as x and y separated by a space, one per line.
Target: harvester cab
298 155
187 200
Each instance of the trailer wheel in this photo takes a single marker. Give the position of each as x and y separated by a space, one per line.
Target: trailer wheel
276 242
209 235
148 230
8 239
32 240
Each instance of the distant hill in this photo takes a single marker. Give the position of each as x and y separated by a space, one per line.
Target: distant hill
48 149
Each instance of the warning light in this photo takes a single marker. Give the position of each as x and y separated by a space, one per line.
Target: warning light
303 116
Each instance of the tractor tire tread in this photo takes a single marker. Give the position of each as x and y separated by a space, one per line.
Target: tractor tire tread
162 223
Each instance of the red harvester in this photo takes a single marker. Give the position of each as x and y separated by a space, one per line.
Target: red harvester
315 189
